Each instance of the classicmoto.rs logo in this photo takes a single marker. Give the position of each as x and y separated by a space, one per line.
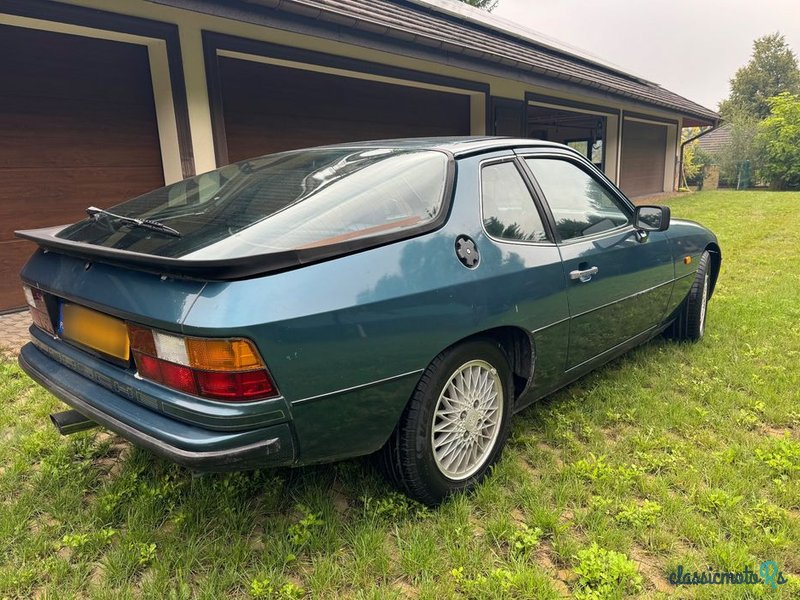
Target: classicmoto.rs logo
768 573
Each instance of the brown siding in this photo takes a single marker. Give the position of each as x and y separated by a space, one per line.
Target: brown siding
644 154
269 108
77 128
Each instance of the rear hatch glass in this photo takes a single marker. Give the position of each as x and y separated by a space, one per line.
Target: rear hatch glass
283 202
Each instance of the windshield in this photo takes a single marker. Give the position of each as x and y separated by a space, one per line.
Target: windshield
287 201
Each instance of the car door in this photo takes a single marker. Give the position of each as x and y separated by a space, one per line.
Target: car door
527 277
619 280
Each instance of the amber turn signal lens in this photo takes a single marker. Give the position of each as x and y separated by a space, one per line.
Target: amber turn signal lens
222 355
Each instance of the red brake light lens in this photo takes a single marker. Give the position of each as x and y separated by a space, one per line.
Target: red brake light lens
148 366
233 386
227 370
178 377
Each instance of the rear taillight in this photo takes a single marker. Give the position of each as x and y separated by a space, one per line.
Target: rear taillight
38 307
221 369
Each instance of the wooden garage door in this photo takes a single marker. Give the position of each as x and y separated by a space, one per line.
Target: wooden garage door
269 109
644 154
77 128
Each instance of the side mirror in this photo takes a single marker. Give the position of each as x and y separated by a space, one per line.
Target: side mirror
651 218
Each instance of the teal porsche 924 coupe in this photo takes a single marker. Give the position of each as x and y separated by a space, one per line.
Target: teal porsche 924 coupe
405 297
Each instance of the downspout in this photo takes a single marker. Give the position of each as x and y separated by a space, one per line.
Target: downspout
716 125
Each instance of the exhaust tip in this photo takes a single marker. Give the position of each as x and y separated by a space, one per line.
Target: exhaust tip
71 421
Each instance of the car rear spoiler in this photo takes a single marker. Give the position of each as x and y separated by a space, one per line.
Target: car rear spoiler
227 269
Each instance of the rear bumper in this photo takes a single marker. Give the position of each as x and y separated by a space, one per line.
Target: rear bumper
188 445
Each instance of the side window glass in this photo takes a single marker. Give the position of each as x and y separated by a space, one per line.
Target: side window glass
509 212
580 204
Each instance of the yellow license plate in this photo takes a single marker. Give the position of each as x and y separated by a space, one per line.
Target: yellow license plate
95 330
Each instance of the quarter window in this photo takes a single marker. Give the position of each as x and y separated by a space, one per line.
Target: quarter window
509 212
580 204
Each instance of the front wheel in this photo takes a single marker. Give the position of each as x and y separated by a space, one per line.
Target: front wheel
690 324
455 425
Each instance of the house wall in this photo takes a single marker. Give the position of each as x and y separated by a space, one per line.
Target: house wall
190 26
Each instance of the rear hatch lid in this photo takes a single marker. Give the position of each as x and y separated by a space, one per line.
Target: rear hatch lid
267 214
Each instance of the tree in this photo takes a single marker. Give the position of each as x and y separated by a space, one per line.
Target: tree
695 162
487 5
772 70
778 142
741 153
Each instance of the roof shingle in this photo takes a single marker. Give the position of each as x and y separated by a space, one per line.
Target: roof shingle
714 141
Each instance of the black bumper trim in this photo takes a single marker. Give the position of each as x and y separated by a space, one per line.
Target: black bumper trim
252 456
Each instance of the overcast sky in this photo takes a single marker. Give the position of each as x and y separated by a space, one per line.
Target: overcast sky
691 47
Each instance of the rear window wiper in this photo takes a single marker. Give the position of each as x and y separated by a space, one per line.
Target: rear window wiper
95 212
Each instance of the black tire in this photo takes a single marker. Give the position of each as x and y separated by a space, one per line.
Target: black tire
690 322
408 457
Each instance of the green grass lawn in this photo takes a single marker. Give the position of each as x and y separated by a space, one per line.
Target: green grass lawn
673 455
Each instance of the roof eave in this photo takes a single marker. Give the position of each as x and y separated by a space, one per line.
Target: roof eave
300 16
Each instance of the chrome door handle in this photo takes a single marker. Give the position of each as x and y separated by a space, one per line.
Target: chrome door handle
585 275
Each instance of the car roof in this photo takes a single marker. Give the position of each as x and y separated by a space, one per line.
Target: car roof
456 145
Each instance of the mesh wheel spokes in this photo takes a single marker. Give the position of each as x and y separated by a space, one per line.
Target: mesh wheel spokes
466 421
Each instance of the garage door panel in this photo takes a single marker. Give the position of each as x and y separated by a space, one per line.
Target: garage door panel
72 84
284 134
376 110
41 138
45 53
257 88
13 256
98 108
77 128
248 85
62 195
269 108
644 153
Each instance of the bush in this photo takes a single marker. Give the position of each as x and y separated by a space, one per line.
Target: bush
778 142
605 574
740 151
695 162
